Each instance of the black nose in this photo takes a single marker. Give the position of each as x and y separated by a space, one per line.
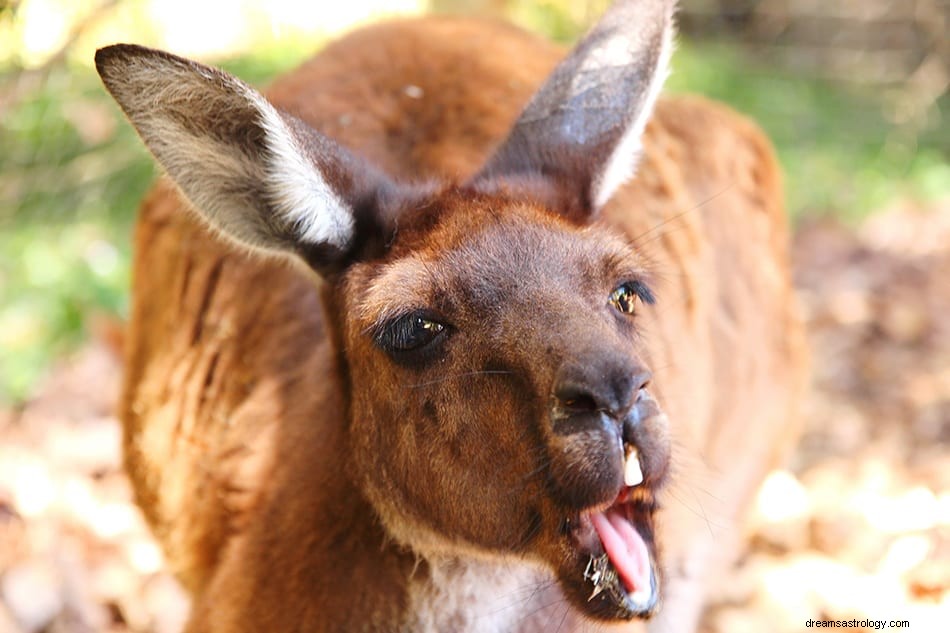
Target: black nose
604 383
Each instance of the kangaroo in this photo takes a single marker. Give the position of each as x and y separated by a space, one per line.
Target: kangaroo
411 348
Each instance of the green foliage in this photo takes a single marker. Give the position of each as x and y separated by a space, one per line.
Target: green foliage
54 279
840 153
72 173
559 20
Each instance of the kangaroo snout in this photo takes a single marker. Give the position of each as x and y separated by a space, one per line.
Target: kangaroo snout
602 413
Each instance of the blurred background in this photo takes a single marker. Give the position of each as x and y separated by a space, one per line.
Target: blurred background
853 94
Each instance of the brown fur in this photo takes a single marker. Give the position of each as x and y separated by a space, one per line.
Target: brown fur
284 497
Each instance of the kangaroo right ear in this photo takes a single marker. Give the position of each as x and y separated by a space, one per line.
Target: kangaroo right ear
258 175
581 131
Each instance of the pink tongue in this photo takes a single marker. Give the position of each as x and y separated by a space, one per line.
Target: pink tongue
625 548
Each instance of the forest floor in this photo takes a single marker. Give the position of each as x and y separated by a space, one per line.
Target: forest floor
856 526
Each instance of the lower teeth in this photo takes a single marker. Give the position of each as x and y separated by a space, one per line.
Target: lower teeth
604 578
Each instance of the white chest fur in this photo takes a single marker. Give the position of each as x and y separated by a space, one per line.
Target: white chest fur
488 597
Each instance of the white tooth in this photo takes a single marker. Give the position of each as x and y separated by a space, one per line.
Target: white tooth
597 590
632 475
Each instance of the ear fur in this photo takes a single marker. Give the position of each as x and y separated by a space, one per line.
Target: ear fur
582 130
260 176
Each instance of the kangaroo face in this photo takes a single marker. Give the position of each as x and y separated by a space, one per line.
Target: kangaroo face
499 403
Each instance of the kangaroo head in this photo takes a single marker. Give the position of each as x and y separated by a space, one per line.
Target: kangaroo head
499 402
488 330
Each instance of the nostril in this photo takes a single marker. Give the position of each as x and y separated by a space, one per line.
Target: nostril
641 380
613 389
575 398
580 404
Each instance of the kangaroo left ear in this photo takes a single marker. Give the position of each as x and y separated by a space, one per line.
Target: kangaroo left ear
581 131
259 176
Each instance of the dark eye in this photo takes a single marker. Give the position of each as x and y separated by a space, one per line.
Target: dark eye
624 297
410 332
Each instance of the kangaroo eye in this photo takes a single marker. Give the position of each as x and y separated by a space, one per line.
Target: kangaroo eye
410 332
624 297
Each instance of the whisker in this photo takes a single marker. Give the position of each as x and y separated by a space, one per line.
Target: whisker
522 540
456 376
701 513
541 466
541 608
636 240
523 596
567 608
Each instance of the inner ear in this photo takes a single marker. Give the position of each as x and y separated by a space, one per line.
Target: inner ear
579 138
260 176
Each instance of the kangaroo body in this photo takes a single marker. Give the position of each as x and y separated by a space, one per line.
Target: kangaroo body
238 406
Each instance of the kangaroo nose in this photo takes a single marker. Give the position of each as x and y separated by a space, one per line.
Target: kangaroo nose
607 384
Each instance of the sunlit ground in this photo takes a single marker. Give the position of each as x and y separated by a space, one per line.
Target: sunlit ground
857 525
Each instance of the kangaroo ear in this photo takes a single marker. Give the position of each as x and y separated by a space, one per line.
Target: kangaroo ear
260 176
582 129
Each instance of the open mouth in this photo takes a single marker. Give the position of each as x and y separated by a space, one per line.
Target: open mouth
616 548
608 482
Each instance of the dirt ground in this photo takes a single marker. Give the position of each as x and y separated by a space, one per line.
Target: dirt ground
857 526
